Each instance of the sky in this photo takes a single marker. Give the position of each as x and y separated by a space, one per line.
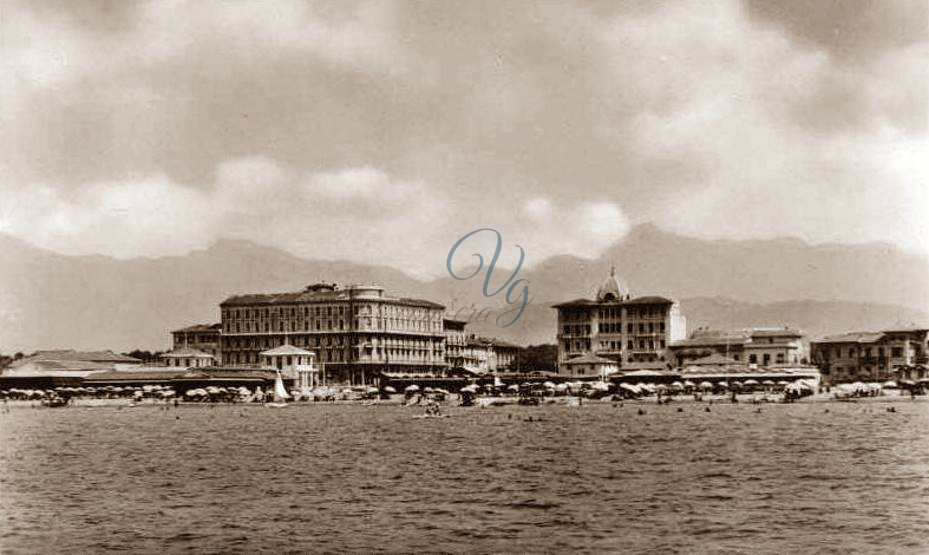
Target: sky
384 131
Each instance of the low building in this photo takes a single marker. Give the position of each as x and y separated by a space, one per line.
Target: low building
486 355
590 365
203 337
871 356
44 369
187 357
294 364
762 346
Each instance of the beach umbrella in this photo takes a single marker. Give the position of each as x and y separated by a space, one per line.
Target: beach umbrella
750 382
549 385
767 382
427 390
688 383
469 388
413 387
371 389
390 389
706 385
561 387
629 387
661 387
890 384
513 387
641 386
190 393
782 382
723 384
677 385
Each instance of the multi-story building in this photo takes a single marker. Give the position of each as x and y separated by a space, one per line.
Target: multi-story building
456 341
506 355
890 354
762 346
634 332
356 331
202 337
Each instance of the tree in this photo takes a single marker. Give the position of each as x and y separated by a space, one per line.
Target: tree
537 358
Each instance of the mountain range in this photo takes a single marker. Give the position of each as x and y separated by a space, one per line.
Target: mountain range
49 300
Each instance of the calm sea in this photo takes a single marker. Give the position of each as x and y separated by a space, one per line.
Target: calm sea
599 478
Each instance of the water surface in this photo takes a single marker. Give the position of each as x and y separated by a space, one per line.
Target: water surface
245 479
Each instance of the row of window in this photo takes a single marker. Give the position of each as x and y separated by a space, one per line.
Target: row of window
318 311
895 352
649 344
616 327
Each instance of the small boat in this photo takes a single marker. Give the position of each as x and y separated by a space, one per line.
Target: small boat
280 394
55 402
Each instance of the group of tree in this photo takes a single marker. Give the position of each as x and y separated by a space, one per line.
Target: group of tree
6 360
537 358
144 356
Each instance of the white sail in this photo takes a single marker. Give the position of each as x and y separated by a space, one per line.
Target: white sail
280 394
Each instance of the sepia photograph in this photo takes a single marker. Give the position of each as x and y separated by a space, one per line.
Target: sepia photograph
410 276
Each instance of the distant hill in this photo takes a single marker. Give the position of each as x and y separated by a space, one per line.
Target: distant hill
48 300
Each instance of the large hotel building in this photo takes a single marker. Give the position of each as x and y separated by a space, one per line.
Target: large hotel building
635 332
357 332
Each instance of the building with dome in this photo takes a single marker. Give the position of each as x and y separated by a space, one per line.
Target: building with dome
635 332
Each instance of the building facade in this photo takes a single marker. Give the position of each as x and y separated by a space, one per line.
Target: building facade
872 356
636 333
456 341
762 346
202 337
187 357
356 331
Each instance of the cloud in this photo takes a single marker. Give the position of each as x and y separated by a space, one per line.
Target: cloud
386 130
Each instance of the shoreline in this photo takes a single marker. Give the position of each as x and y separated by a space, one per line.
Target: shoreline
508 402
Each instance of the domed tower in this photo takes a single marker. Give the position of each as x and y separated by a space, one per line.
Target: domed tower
612 289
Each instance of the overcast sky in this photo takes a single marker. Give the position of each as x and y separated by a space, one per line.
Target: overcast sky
382 132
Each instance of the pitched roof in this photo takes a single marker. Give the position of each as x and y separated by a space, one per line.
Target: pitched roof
315 293
776 332
589 358
186 352
201 328
713 359
853 337
133 375
87 356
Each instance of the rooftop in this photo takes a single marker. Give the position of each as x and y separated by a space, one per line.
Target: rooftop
854 337
186 352
203 328
323 293
648 300
589 358
83 356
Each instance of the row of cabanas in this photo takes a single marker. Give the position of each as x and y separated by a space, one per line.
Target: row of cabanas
93 392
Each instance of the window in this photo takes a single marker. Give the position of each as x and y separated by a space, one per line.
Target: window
753 359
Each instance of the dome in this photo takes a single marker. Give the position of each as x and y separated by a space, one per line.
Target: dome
612 289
